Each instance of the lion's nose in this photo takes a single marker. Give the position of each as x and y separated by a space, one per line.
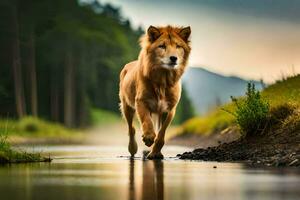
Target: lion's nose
173 59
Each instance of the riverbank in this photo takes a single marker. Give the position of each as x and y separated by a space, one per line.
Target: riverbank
269 127
10 155
277 148
30 130
277 145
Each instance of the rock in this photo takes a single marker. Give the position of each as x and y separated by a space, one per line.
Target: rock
279 163
294 163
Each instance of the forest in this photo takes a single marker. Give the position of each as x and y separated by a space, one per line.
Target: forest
59 59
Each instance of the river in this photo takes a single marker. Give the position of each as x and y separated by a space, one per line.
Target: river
106 172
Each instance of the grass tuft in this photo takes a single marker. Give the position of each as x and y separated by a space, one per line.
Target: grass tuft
251 112
292 122
279 113
10 155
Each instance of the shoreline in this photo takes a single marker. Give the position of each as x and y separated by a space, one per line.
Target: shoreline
271 150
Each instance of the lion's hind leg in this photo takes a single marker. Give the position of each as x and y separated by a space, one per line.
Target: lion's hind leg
128 114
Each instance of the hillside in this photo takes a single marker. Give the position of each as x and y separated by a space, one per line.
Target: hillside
282 92
275 144
208 90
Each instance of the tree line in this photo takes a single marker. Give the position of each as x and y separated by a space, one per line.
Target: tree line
60 58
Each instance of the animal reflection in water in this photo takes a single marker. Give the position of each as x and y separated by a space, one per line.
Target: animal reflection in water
152 186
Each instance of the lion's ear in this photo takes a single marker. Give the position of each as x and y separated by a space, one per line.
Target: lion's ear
153 33
185 33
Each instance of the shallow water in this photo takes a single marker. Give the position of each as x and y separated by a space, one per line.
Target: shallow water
105 172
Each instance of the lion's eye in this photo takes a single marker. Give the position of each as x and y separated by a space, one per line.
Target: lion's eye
162 46
178 46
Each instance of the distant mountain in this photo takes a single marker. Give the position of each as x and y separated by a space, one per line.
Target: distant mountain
208 90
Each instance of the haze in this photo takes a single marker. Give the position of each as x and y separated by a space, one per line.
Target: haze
251 39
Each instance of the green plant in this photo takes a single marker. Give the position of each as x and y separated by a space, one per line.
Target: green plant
251 112
10 155
3 138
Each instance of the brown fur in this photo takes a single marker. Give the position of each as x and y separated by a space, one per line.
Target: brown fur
151 85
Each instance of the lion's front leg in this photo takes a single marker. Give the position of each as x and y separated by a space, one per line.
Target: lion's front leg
160 139
144 116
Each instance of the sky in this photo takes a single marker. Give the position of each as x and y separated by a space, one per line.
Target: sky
253 39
